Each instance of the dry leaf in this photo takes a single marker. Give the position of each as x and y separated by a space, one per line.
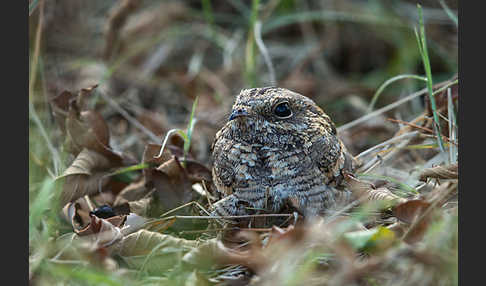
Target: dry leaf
412 212
366 191
103 232
84 177
172 186
142 206
88 130
213 251
197 172
440 172
152 251
132 192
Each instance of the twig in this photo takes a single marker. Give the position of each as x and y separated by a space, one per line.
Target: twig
373 163
129 118
418 127
185 205
366 117
264 51
207 194
406 135
381 110
226 228
224 217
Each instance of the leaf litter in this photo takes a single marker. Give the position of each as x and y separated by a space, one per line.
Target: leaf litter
148 218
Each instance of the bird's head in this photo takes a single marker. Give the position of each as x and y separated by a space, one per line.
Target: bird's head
272 111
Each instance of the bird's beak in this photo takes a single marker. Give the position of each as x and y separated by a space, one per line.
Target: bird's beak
240 112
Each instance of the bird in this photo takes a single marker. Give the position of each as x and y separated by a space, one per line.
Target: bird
278 147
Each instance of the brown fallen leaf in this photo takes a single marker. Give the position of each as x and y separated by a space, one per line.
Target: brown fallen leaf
151 251
60 108
85 176
409 211
172 185
101 233
72 211
170 179
196 171
150 156
414 214
88 129
83 128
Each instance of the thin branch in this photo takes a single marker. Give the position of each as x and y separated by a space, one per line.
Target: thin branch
384 109
406 135
129 118
264 51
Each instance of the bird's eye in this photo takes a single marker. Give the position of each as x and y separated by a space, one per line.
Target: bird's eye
282 110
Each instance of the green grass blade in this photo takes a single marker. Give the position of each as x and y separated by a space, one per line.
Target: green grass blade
190 128
132 168
390 81
428 71
32 6
449 12
401 185
421 146
330 16
208 14
56 157
41 203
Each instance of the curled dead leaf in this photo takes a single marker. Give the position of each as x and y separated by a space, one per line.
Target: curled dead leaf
88 130
84 128
72 211
150 156
85 176
440 172
60 108
366 191
103 232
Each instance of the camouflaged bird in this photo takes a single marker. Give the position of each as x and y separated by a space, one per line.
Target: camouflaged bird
278 147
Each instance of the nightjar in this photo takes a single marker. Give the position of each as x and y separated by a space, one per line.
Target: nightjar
278 147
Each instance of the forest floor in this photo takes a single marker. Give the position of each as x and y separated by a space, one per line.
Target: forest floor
114 84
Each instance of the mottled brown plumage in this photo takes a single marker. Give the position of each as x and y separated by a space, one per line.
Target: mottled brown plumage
278 147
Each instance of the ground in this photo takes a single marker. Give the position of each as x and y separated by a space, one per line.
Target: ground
110 80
